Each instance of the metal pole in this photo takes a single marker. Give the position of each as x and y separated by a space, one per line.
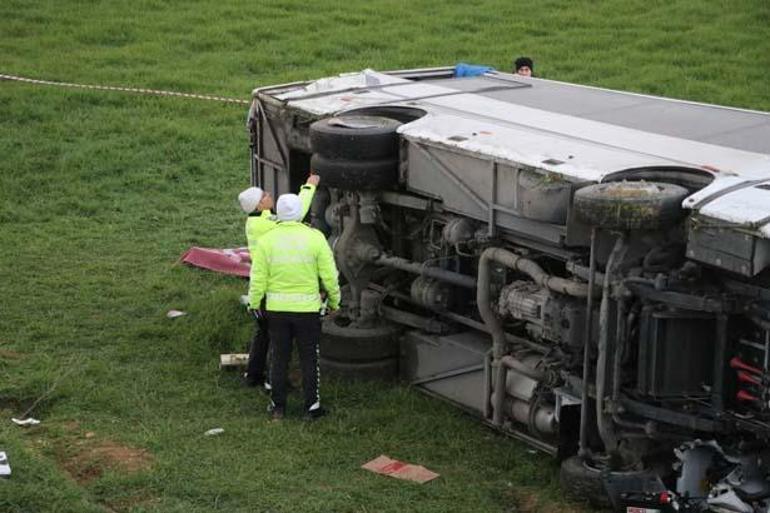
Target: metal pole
487 383
583 444
461 280
606 429
496 329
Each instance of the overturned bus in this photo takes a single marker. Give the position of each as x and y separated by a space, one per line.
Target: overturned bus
586 270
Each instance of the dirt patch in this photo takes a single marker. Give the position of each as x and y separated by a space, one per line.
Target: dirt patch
89 459
9 354
126 459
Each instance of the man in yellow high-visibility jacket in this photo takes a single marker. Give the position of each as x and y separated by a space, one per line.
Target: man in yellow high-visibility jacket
289 261
258 205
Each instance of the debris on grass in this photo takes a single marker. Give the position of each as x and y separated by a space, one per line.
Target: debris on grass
29 421
234 261
233 360
5 467
400 470
173 314
214 432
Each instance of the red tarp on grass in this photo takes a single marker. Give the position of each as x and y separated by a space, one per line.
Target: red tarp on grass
235 261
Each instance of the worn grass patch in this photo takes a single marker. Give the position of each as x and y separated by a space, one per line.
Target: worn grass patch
85 456
92 462
101 192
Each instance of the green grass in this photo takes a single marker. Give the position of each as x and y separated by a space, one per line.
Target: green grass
101 192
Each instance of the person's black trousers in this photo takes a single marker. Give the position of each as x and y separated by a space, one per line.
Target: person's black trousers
305 328
255 370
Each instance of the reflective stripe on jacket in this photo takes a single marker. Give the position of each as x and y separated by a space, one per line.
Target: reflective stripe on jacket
286 267
259 224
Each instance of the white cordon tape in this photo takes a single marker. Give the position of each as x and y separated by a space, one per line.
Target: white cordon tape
154 92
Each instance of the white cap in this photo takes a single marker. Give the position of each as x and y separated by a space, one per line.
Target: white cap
288 208
250 198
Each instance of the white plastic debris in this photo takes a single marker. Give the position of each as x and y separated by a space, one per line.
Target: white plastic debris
5 467
173 314
214 432
29 421
244 299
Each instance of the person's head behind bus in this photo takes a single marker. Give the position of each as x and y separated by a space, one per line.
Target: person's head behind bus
523 66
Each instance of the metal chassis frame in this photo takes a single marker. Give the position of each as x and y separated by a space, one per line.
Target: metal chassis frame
525 226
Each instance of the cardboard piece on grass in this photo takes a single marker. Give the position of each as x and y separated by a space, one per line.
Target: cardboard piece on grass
400 470
29 421
173 314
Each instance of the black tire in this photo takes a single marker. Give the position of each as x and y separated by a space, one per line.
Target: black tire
357 175
400 113
355 137
582 482
379 370
630 205
346 344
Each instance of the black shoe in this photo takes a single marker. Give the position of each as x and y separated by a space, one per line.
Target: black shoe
316 414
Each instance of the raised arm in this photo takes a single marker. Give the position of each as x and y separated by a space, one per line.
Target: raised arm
307 191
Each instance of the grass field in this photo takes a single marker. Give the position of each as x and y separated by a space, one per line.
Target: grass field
101 192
